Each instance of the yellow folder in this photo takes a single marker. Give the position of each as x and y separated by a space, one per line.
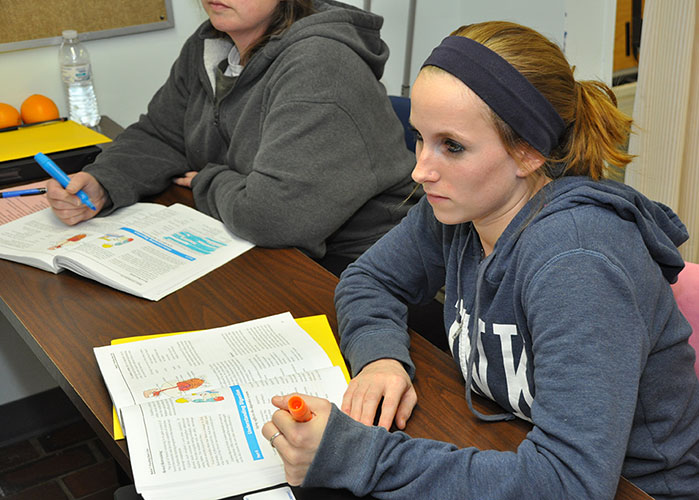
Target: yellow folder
47 138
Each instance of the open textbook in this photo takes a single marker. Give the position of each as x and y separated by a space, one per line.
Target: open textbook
146 249
192 405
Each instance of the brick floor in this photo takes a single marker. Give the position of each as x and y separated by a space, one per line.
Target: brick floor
68 463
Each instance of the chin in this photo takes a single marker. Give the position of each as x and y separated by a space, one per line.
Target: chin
449 219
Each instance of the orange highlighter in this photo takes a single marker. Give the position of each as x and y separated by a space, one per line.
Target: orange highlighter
298 409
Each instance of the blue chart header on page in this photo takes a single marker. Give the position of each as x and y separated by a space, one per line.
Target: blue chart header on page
157 243
201 244
244 414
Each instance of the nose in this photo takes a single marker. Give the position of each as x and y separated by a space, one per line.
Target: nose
424 170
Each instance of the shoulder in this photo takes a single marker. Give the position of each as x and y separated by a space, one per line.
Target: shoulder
584 227
573 224
577 212
324 71
324 58
581 242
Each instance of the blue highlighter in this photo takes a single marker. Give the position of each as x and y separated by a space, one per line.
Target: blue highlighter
55 171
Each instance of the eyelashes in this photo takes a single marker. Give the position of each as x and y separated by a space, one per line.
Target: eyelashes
453 146
450 145
415 134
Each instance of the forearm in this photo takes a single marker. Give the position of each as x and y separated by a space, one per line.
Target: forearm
372 321
259 208
369 460
139 163
403 267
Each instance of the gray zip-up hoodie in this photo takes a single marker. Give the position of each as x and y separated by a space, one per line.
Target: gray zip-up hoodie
578 332
305 150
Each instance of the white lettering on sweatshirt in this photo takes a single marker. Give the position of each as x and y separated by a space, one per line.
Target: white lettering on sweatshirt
516 378
515 371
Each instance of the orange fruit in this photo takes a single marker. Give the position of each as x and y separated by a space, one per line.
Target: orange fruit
9 116
38 108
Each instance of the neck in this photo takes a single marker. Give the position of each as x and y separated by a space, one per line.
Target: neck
243 42
489 230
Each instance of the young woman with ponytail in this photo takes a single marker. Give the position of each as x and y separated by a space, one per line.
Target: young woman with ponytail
558 301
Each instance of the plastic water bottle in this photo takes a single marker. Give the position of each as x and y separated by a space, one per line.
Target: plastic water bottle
76 74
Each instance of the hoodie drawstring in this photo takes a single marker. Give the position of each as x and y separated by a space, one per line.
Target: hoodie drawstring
473 336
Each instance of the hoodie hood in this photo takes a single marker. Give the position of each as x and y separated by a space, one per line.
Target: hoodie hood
348 25
660 228
333 20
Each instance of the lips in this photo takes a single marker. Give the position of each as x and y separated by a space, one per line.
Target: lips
218 5
435 197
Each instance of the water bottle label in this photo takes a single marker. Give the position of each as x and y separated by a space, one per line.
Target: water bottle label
76 74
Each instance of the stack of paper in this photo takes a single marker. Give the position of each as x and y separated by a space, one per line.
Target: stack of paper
192 405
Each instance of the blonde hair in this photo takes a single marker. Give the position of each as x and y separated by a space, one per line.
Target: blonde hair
596 130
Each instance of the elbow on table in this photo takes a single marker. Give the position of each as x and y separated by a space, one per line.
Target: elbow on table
276 231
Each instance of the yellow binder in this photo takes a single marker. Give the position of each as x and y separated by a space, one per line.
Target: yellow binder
47 138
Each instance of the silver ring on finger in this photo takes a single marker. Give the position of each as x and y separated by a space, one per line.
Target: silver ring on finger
274 436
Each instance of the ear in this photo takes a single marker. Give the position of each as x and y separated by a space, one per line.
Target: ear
529 160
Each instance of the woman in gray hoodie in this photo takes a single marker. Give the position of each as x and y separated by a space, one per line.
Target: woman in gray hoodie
275 117
558 304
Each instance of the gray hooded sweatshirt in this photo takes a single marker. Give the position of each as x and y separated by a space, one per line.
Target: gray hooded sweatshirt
303 151
578 332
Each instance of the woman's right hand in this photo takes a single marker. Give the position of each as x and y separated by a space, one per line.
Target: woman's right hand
383 378
67 206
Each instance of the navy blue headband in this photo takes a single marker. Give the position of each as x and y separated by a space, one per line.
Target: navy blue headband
508 93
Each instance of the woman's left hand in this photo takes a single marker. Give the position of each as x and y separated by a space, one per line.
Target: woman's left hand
186 179
298 442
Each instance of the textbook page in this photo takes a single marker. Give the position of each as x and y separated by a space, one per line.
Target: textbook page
317 327
209 444
39 238
145 249
275 346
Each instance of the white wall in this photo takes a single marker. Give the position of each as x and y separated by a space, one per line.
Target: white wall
22 374
589 38
584 30
129 69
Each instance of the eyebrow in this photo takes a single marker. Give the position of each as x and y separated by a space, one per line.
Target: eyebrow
443 134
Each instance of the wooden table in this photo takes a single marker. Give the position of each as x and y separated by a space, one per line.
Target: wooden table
61 318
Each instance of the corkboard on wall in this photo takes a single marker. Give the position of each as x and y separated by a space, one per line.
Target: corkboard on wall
40 22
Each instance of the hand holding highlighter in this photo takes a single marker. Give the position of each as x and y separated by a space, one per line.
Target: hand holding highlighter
55 171
298 409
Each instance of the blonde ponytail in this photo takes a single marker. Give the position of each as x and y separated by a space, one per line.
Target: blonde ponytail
599 133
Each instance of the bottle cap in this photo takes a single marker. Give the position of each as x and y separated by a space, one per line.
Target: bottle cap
68 34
